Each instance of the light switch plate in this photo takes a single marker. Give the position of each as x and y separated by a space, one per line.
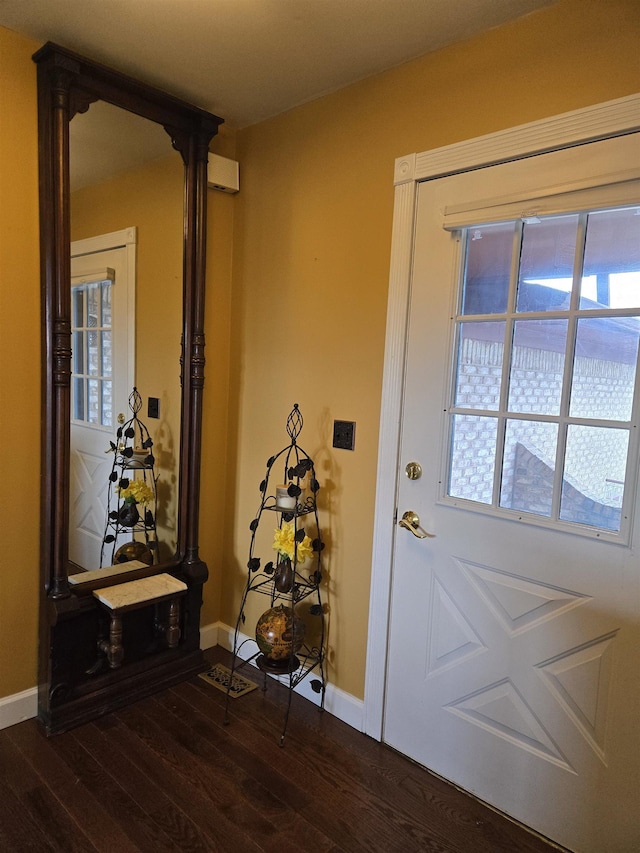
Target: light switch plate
344 435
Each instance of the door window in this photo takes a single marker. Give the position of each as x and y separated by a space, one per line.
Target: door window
547 330
92 372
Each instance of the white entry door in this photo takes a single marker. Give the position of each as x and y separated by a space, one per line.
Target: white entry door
102 379
513 666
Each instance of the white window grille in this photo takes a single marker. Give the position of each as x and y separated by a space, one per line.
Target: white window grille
92 350
544 400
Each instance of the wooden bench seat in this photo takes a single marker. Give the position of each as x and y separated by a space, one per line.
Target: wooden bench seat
132 595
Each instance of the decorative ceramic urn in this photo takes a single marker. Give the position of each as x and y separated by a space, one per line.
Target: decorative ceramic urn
279 634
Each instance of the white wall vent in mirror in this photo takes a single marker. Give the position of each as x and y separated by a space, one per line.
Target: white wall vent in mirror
223 174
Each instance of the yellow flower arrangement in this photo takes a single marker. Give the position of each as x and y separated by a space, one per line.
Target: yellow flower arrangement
137 492
284 543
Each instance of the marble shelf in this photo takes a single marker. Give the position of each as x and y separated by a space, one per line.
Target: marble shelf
139 592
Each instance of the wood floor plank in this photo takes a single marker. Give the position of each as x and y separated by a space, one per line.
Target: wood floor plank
86 810
309 751
256 808
282 769
166 775
400 784
151 798
354 819
399 781
132 820
208 802
19 832
39 802
268 790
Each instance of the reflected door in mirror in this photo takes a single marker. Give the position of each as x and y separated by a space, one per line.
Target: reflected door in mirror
102 373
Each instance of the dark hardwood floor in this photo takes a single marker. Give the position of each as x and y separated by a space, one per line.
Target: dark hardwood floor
166 775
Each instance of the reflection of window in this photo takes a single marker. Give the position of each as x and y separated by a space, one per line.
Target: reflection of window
91 381
545 368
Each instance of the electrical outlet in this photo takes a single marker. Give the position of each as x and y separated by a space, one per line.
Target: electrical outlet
344 435
153 410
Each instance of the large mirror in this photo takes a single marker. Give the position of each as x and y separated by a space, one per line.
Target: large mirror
126 188
95 655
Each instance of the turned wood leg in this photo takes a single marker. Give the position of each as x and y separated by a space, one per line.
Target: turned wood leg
167 622
115 649
173 626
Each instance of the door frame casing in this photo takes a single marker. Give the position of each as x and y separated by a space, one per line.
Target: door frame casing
601 121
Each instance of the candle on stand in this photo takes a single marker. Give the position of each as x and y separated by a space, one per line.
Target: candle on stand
284 499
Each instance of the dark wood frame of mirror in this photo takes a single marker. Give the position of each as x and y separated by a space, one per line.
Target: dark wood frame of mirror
71 621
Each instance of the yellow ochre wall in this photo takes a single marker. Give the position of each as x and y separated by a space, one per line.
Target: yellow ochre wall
19 365
297 285
311 261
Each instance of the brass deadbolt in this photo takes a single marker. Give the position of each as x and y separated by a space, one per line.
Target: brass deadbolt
413 470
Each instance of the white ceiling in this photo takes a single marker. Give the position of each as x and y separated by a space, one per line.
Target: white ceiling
248 60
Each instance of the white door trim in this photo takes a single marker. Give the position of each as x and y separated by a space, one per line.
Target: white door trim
613 118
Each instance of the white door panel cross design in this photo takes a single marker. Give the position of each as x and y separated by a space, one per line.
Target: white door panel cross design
89 479
512 664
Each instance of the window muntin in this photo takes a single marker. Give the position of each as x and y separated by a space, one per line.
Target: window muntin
545 369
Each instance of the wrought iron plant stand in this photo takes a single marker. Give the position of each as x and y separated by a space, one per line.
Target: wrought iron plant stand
293 590
133 464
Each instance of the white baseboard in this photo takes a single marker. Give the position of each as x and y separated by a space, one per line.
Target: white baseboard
209 635
23 706
337 702
18 707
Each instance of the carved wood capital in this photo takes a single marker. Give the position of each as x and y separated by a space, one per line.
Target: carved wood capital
180 140
80 101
